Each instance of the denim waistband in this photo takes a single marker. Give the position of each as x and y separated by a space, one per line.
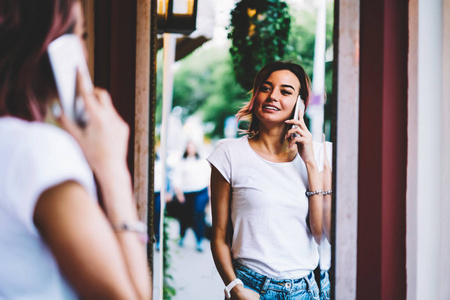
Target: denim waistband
264 282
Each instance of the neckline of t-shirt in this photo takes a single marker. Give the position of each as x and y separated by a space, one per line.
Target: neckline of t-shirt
265 160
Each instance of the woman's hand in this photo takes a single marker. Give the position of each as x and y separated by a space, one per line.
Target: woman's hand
242 293
104 139
180 195
303 139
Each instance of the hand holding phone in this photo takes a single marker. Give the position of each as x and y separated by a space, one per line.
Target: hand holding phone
67 58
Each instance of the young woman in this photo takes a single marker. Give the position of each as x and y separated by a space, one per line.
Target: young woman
266 194
56 242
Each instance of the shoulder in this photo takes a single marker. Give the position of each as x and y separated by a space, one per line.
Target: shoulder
38 156
44 153
53 136
45 150
232 143
35 136
227 148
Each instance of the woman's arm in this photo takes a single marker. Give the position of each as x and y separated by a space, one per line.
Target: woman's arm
304 142
220 206
315 201
116 188
94 259
177 181
327 177
104 142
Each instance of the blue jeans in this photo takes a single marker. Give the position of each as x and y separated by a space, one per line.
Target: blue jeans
324 285
157 216
194 213
278 289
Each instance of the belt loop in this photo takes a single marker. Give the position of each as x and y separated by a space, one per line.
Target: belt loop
308 281
265 285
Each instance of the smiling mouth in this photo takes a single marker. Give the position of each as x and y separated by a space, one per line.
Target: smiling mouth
270 108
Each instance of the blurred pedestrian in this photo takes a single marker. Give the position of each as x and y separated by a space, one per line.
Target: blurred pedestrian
157 193
190 183
55 240
266 194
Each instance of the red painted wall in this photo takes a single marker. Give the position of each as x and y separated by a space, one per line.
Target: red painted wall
381 271
115 58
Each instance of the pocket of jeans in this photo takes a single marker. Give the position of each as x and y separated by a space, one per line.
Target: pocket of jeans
314 291
325 295
248 280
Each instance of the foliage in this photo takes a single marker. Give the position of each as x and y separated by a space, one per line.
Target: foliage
168 290
226 98
159 80
258 31
300 49
300 45
205 83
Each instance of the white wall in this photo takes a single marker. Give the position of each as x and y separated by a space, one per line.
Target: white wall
444 287
347 150
428 162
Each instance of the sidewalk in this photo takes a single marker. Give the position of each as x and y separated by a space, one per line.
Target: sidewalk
194 274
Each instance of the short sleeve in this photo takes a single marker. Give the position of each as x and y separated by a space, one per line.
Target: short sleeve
221 160
319 155
329 152
50 157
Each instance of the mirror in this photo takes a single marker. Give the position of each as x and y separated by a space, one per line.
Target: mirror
206 97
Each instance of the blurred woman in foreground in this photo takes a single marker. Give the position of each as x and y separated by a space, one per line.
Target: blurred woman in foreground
56 242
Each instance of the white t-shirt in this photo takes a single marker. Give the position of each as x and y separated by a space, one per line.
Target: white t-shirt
268 210
158 168
33 157
191 174
325 254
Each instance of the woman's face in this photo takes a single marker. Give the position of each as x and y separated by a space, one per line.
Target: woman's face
190 149
276 97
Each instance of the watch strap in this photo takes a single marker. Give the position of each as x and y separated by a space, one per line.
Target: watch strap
230 286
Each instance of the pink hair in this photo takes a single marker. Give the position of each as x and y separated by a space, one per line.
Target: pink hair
26 29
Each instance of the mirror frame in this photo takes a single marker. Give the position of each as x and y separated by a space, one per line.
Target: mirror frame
346 89
345 138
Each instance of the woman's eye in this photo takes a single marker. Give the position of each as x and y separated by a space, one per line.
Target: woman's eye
265 88
286 92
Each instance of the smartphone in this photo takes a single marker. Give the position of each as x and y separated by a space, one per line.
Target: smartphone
299 110
66 58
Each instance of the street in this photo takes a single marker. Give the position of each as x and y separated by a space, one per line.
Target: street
194 274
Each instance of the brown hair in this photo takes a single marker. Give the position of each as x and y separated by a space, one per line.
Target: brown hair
26 29
246 112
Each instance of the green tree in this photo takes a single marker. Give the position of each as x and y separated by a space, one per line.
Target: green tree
258 31
205 82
